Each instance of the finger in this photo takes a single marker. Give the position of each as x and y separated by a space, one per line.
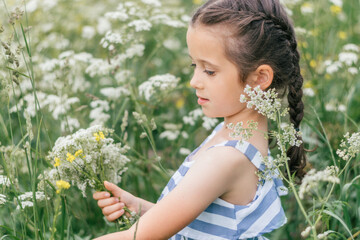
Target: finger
108 210
108 201
101 195
115 215
115 190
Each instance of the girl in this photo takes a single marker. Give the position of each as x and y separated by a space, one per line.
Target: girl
216 194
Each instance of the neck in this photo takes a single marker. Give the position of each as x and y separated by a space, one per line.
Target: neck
249 115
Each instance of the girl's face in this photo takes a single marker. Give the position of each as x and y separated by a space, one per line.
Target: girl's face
216 79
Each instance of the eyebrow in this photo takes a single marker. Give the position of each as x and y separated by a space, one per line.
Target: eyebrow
206 62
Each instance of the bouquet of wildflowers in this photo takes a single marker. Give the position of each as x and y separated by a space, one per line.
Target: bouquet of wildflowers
86 159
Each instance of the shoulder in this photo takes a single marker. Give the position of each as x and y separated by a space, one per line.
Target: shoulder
227 161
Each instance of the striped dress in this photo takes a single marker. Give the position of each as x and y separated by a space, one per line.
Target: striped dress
222 220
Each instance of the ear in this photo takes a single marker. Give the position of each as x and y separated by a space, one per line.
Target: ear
263 76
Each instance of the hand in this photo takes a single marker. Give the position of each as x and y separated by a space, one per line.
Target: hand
112 207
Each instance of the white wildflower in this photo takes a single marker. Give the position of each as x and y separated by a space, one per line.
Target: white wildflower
2 199
350 146
155 3
308 92
87 152
332 67
313 178
337 2
172 44
306 232
307 8
172 131
120 15
114 93
330 107
140 25
69 124
351 47
170 135
209 123
349 58
5 181
324 234
193 117
24 204
98 67
156 83
184 151
103 25
28 196
97 114
300 31
265 102
88 32
135 50
342 108
353 70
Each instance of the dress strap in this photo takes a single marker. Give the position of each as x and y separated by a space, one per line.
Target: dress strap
246 148
255 157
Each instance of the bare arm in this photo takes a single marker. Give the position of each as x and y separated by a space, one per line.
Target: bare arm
207 179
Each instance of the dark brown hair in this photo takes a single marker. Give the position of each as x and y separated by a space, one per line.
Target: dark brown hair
261 33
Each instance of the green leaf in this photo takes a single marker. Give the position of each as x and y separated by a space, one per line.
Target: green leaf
340 220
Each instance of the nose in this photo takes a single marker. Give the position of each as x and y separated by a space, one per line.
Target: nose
196 81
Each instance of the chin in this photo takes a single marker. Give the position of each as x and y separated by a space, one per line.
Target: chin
211 115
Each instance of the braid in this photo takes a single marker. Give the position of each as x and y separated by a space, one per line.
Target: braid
296 154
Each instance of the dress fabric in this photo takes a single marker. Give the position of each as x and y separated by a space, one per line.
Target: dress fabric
222 220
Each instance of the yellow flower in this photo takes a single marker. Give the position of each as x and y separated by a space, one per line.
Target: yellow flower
61 184
99 136
308 84
335 9
57 162
78 152
313 63
197 2
70 157
180 103
342 35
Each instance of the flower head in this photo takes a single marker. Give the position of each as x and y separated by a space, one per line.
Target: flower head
70 157
57 162
61 184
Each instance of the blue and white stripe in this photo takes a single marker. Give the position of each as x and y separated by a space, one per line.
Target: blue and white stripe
222 220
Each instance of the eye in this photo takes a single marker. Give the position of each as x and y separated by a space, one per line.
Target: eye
210 73
193 65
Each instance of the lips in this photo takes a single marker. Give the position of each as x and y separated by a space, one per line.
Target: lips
202 101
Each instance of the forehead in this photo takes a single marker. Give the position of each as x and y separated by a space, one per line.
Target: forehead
205 39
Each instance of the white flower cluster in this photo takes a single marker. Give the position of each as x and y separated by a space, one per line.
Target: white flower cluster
5 181
87 158
350 146
349 58
2 199
26 199
114 93
195 115
156 83
239 130
313 178
97 114
57 105
172 132
265 102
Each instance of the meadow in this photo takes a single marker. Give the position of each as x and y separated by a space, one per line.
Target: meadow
123 65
